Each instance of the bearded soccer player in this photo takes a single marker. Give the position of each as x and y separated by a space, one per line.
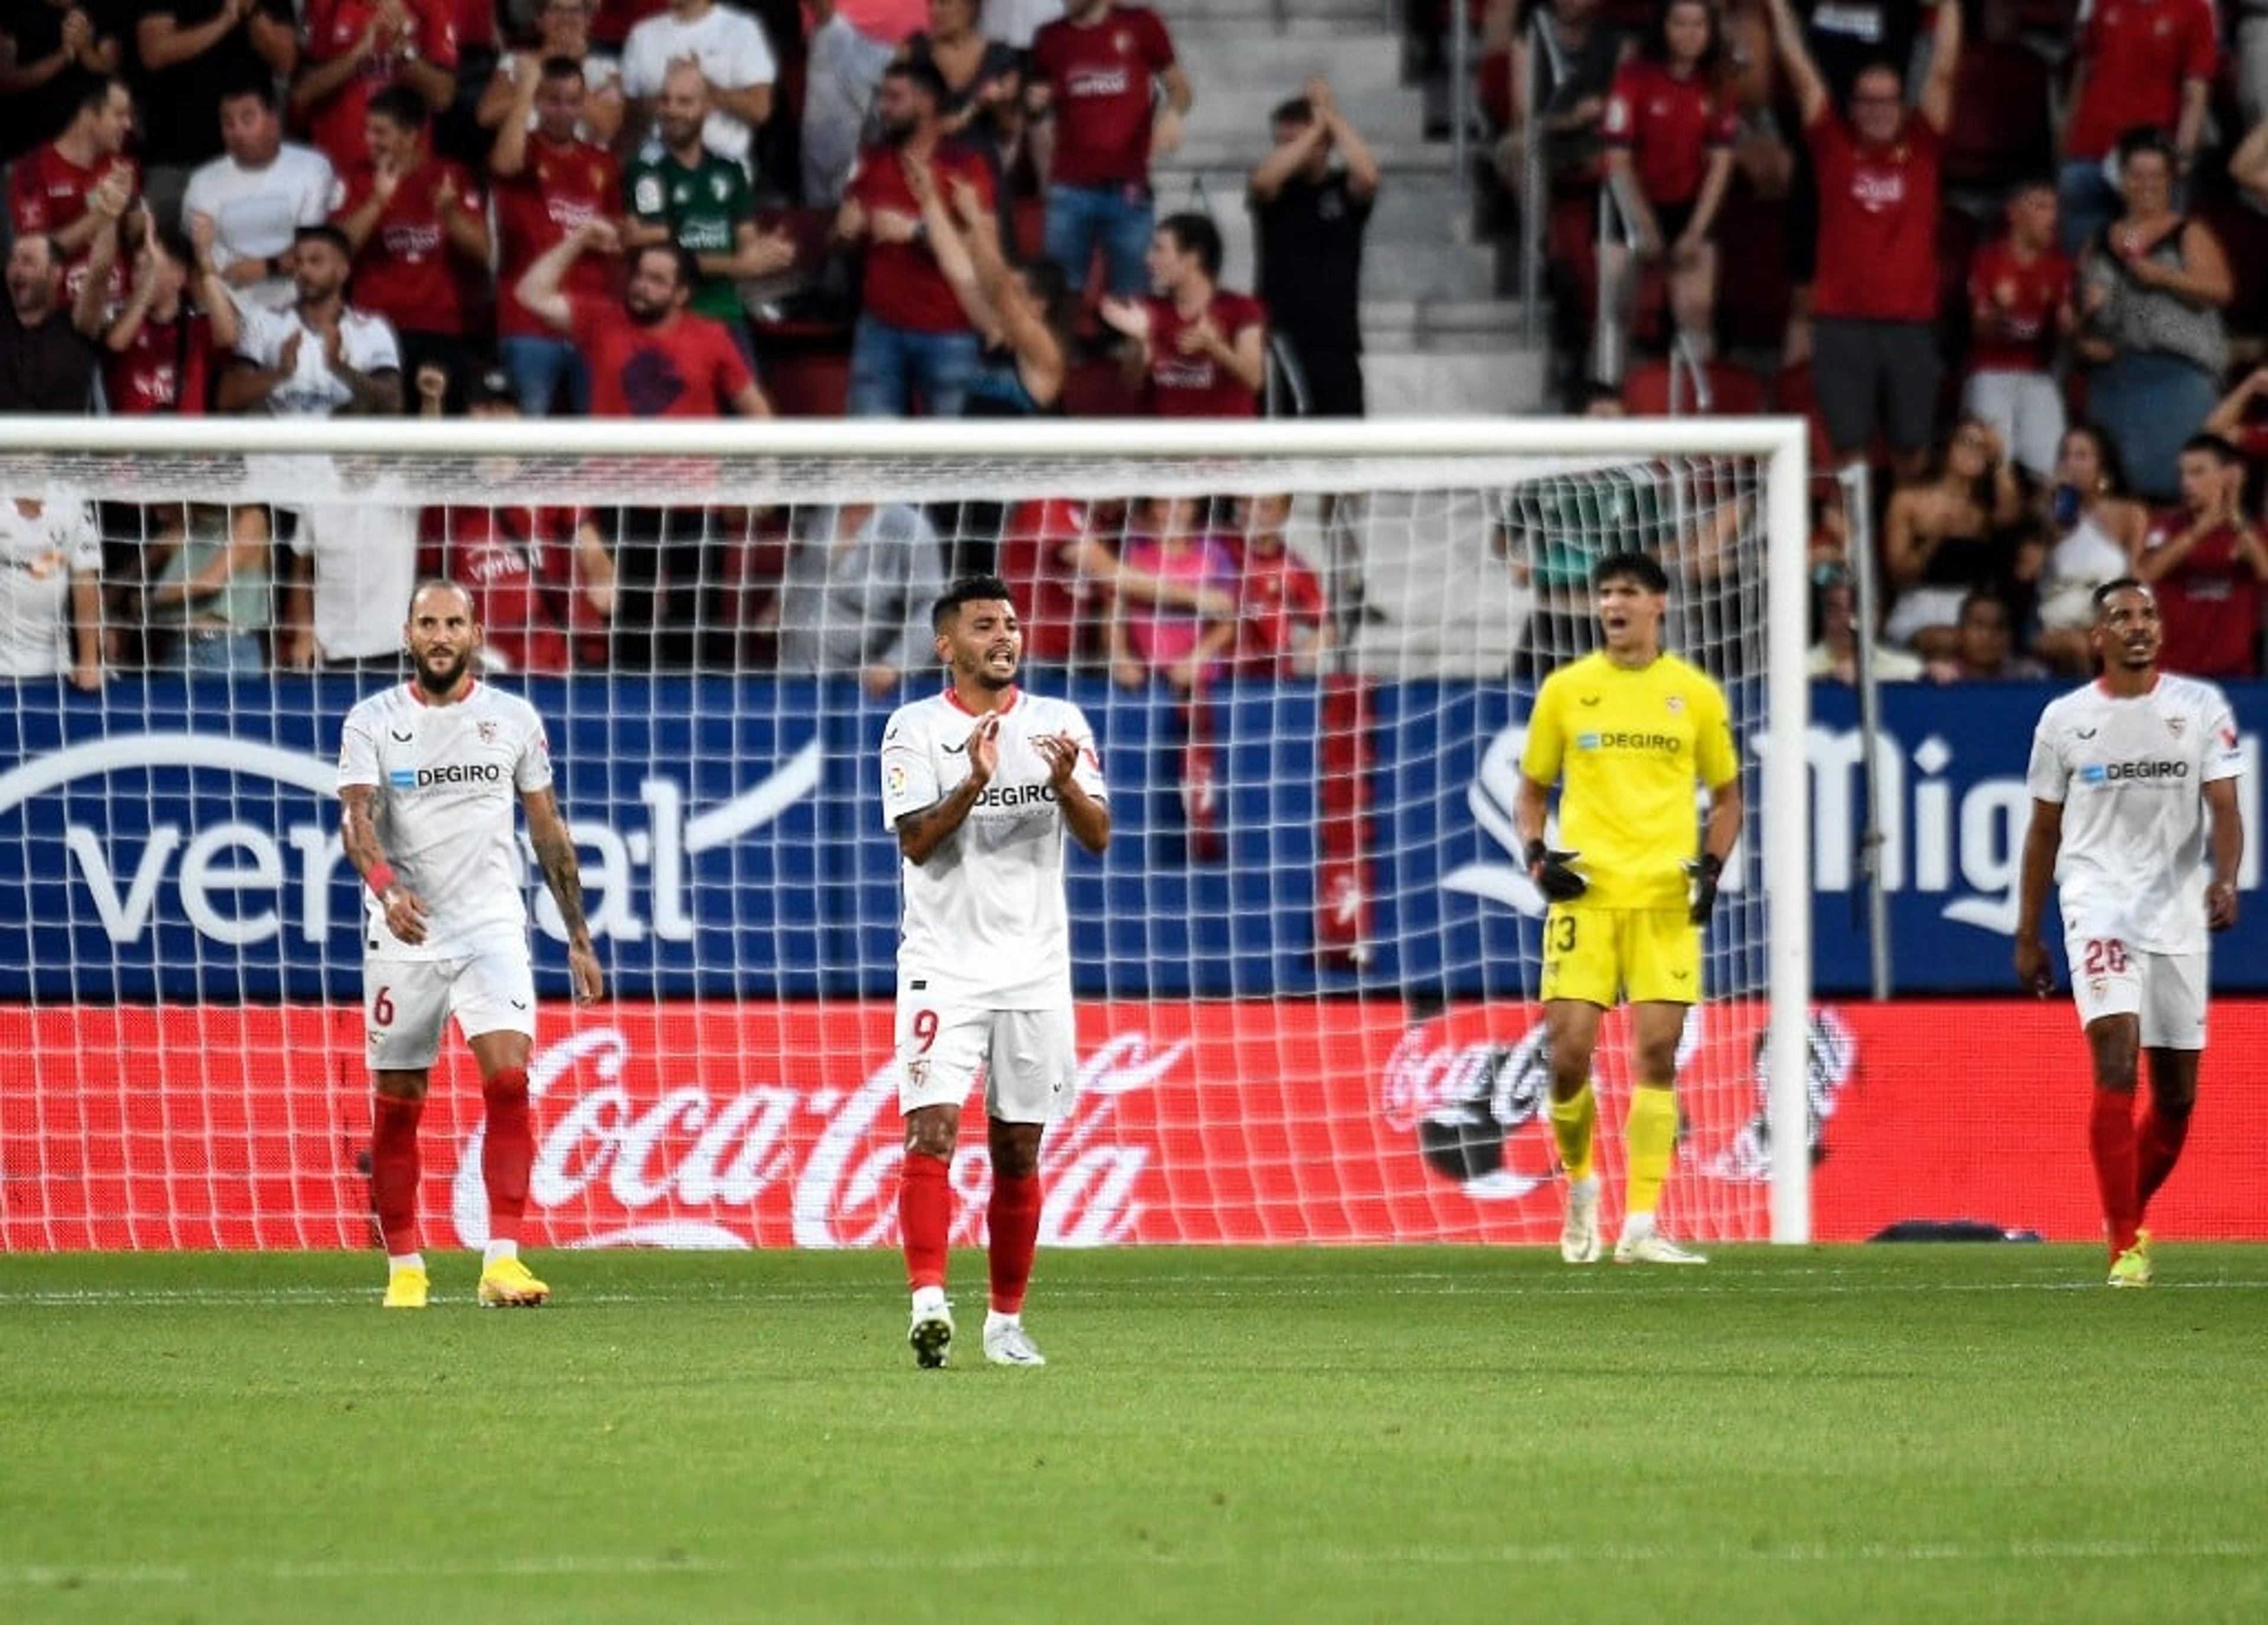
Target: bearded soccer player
428 773
2133 783
980 785
1625 731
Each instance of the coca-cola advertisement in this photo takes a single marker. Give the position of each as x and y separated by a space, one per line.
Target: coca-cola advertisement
717 1125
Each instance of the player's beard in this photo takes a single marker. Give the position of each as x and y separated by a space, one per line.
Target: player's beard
442 682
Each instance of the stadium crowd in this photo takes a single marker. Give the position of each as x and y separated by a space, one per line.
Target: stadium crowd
2013 255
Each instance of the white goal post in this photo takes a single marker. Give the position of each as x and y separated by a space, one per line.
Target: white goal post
173 924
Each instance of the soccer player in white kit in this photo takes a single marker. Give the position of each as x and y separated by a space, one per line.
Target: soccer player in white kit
981 783
429 771
2134 815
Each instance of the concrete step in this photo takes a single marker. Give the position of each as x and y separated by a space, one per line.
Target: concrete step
1290 17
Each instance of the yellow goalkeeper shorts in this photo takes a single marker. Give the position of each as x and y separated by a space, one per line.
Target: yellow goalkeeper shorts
1599 955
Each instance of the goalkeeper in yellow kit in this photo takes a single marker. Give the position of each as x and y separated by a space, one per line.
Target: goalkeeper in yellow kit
1626 733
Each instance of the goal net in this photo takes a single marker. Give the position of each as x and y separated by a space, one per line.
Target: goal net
1307 968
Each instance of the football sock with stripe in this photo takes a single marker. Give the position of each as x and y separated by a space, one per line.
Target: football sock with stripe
1650 1139
1574 1124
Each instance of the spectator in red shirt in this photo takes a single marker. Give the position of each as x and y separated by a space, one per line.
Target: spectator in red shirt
1202 351
1061 557
2206 563
1874 299
913 338
49 189
354 49
546 181
1097 120
2019 309
2140 62
650 356
420 230
1669 127
1283 623
537 575
164 351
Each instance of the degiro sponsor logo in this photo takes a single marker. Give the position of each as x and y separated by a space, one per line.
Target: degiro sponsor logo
1943 830
241 883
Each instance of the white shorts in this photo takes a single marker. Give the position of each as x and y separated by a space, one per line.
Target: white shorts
405 1002
1030 1059
2166 991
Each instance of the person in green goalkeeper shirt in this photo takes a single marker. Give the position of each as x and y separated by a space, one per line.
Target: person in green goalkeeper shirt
1625 733
683 192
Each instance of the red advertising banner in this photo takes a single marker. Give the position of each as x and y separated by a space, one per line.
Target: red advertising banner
720 1125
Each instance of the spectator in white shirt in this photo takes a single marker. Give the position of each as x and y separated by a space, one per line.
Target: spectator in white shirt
50 584
257 193
734 56
320 356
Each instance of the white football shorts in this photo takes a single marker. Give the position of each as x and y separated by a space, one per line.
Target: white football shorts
1030 1059
406 1001
2166 991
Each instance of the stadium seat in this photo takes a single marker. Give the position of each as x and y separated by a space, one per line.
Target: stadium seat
1733 391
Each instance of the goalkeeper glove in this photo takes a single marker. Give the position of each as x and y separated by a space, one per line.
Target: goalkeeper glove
1554 872
1703 875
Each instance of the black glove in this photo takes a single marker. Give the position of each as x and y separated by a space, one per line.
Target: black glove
1554 872
1703 875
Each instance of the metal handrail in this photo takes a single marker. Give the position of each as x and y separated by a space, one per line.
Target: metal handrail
1608 343
1857 479
1535 203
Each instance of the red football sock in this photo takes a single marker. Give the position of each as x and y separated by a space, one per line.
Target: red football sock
1014 1217
2161 1137
508 1151
925 1217
393 1170
2111 1137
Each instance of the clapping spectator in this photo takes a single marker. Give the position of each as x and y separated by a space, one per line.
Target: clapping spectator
353 50
913 338
735 62
1106 95
2092 530
164 347
322 356
257 193
547 180
419 227
1201 350
187 50
2021 309
2206 562
52 189
2153 284
1949 535
54 52
562 30
1669 128
689 193
1311 199
2140 63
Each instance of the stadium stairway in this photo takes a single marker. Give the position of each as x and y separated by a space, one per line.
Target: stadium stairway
1439 341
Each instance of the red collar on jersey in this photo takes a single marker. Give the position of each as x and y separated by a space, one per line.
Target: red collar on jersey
417 691
952 697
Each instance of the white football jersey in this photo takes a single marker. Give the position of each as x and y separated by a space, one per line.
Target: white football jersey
2130 775
366 343
40 553
985 921
448 777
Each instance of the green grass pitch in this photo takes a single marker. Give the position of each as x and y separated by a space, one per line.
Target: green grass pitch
1936 1434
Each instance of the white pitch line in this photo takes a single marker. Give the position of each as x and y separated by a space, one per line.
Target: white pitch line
28 1576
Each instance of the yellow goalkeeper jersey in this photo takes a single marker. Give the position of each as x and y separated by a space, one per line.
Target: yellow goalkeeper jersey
1628 746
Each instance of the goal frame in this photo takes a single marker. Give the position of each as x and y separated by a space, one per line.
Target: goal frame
1783 826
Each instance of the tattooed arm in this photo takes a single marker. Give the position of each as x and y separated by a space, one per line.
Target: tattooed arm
555 850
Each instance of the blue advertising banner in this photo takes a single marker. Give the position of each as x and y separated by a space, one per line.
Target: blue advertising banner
177 840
